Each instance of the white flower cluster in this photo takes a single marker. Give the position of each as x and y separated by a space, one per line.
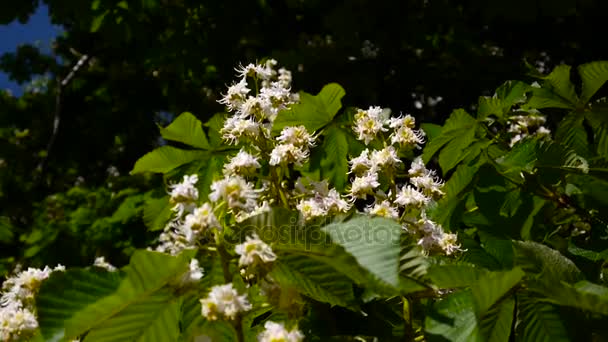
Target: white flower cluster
190 222
276 332
17 303
254 113
224 301
404 203
319 200
293 146
193 275
522 126
254 249
102 263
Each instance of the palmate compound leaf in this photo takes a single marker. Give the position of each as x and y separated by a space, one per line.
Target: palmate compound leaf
140 292
313 112
186 129
582 295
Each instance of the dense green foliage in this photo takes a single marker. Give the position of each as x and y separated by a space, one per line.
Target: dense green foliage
529 206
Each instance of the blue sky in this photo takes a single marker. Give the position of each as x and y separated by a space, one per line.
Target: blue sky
38 30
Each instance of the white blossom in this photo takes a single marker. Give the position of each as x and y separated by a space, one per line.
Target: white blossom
242 163
311 208
361 164
236 191
276 332
224 302
361 186
201 219
368 123
184 192
288 154
236 95
102 263
254 249
254 70
334 203
237 127
429 184
384 209
297 136
407 138
193 275
385 158
417 168
402 121
410 197
16 323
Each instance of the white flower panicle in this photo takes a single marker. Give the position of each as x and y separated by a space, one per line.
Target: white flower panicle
236 191
368 123
276 332
254 113
102 263
254 249
17 308
224 302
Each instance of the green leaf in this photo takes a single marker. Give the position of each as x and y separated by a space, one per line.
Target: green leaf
588 254
511 204
98 20
215 124
374 242
334 165
521 158
454 319
571 134
538 321
490 106
496 324
147 273
454 151
526 229
455 275
157 212
582 295
313 112
430 130
512 93
155 318
459 123
545 98
186 129
559 82
314 279
165 159
64 294
6 230
548 264
492 286
594 75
